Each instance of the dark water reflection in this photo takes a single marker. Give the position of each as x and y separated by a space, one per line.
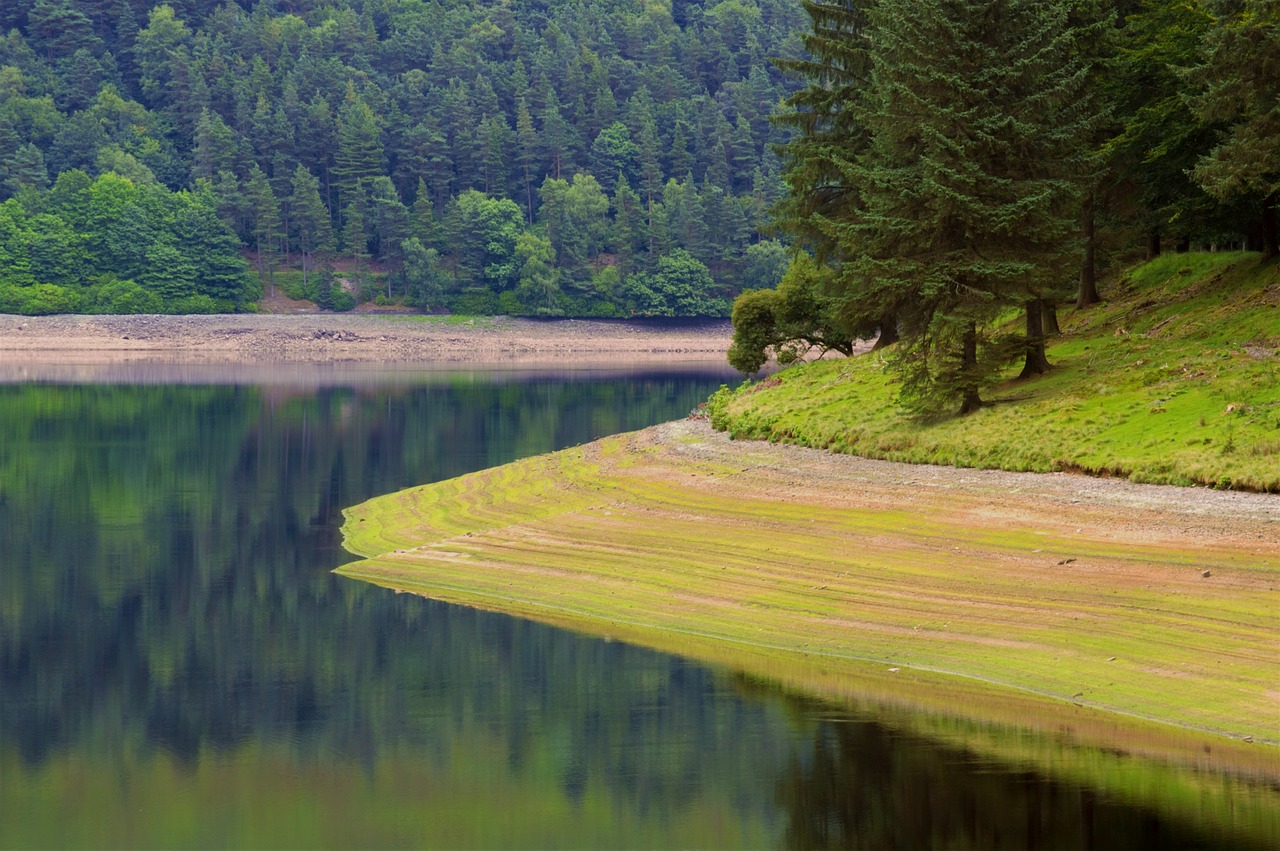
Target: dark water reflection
178 666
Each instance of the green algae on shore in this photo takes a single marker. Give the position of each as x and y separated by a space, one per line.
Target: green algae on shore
1101 629
689 542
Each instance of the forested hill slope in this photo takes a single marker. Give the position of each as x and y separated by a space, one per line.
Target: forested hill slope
584 157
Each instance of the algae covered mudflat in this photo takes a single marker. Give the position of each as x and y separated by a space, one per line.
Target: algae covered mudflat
1089 625
1134 600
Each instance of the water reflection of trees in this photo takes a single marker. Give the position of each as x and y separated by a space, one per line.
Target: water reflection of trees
863 785
166 578
165 585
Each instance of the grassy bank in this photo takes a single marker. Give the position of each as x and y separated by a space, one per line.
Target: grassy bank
1175 380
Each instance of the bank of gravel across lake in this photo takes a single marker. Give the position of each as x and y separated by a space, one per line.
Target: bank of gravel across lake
843 575
331 338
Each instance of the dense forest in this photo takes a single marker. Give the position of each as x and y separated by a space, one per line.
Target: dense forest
960 163
632 158
552 158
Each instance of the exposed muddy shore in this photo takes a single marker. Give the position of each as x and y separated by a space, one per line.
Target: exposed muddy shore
336 338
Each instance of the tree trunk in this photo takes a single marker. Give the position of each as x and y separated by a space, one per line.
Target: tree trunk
1037 363
1153 244
888 332
1183 245
1088 293
1270 238
969 368
1049 318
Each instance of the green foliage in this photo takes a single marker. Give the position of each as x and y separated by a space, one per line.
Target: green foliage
789 322
1174 381
171 245
125 297
678 286
415 107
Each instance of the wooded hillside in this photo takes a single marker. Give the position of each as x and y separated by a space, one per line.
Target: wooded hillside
583 158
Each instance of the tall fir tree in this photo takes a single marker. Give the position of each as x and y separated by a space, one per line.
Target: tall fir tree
360 154
1240 76
266 224
310 221
968 182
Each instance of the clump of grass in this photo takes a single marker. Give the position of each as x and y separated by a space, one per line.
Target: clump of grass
1187 348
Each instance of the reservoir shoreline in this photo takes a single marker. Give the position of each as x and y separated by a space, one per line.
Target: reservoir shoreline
401 339
937 587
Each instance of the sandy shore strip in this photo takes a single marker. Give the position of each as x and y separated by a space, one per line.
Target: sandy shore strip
336 338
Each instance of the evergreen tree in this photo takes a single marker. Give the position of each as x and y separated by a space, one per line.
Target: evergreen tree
557 139
423 225
309 220
1161 140
387 224
265 210
498 139
355 232
1241 77
24 169
61 28
967 185
527 139
359 156
828 136
628 225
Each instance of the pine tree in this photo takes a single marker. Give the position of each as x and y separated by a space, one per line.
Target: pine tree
498 139
1161 140
355 232
25 169
1241 78
359 156
423 225
557 139
681 161
969 180
827 133
527 139
310 220
266 223
628 225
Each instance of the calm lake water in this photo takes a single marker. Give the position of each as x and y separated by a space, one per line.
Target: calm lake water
179 667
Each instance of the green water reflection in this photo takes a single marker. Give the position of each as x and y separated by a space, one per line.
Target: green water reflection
179 668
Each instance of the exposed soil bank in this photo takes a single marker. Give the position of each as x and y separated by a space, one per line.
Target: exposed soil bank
873 579
327 338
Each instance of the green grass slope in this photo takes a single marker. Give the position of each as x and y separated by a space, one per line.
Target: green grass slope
1175 380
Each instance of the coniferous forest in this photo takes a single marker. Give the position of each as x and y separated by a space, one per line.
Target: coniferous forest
544 158
946 161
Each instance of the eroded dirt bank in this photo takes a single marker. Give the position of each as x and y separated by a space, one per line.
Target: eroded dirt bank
324 338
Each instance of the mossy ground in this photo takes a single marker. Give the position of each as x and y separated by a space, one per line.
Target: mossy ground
1175 380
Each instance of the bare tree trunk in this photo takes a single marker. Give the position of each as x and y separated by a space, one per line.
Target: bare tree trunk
1183 245
969 365
1153 244
1270 238
1049 318
1088 293
1037 362
888 332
